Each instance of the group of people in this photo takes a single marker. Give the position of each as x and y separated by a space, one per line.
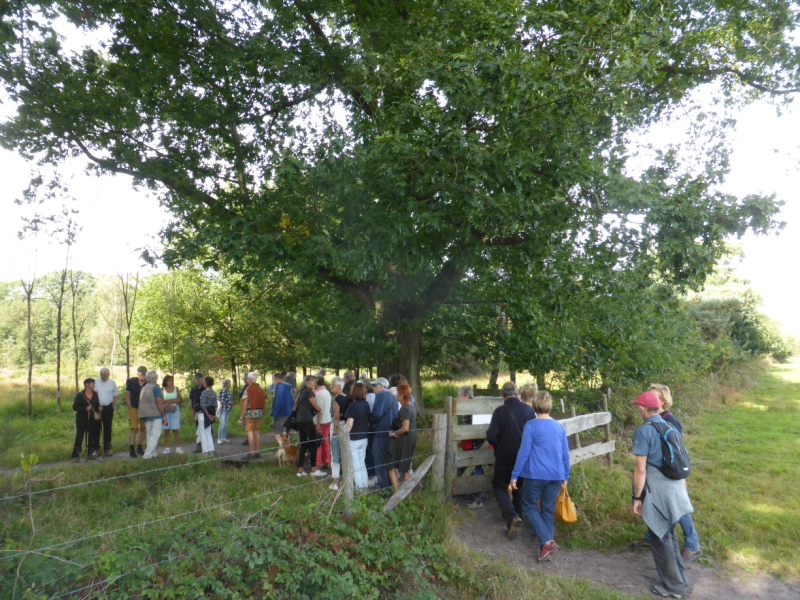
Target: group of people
380 416
532 464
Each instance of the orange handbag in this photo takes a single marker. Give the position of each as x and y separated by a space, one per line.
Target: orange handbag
565 509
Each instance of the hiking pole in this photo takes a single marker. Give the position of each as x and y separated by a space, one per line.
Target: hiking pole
86 435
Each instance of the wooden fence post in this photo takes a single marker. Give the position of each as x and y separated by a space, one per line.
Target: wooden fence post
610 455
575 437
450 458
439 458
348 471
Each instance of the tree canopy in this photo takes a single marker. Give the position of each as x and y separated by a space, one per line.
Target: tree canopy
404 151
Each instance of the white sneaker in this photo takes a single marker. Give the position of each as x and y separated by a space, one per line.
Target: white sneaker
166 451
303 474
372 481
178 450
319 473
333 486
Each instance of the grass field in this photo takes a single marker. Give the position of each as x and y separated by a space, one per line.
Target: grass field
744 446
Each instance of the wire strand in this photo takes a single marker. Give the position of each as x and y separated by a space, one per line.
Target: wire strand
186 464
162 519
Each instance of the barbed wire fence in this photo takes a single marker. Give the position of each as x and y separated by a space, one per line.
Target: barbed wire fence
345 489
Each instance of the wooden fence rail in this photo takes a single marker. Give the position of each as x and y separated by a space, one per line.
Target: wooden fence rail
460 476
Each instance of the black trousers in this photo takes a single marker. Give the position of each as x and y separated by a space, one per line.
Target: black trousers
85 422
107 417
511 507
308 443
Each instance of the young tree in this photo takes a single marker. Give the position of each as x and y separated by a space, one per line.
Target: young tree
55 288
128 289
80 311
28 286
395 149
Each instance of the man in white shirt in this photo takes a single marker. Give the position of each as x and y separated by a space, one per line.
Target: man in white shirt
107 393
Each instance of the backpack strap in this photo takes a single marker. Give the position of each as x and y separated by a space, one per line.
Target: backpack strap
516 422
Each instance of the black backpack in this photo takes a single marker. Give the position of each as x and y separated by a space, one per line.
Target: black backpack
675 462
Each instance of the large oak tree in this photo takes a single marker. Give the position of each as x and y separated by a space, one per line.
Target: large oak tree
398 150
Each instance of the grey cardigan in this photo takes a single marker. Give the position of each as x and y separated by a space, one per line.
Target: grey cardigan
665 502
148 405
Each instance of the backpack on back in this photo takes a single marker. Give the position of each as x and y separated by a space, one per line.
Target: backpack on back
675 459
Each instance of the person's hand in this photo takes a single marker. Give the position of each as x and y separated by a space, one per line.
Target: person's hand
513 485
101 410
88 408
564 484
164 419
637 508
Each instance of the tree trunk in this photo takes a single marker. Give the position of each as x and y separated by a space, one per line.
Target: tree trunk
128 355
58 352
493 379
513 376
540 381
28 294
233 373
409 362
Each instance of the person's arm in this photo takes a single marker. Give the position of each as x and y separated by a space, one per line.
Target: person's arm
349 423
243 409
114 395
525 447
494 429
337 411
160 404
377 411
313 401
128 399
565 454
403 429
179 398
639 476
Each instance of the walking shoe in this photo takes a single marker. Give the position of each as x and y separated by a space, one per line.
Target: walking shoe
659 590
197 450
92 456
133 453
244 443
319 473
513 529
140 450
76 459
641 545
178 450
547 550
690 555
303 474
108 454
166 451
475 504
333 486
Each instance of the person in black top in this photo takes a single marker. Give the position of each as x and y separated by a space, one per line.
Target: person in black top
194 402
505 434
241 393
307 407
86 402
349 379
133 388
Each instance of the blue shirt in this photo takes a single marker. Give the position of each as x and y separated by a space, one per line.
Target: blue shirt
543 453
646 441
384 410
283 401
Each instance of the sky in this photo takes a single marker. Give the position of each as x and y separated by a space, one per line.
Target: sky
117 221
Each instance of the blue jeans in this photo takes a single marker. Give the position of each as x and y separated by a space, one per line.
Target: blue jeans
691 541
222 431
542 519
379 445
475 472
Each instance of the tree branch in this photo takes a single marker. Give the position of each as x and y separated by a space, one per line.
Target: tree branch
359 290
514 240
743 77
336 66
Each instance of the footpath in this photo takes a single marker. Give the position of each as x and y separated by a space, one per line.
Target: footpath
744 492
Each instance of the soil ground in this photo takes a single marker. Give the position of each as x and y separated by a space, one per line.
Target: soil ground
628 571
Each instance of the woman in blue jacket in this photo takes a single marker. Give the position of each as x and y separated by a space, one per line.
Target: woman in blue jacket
543 461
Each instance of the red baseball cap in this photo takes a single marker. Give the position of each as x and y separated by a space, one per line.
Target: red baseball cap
648 400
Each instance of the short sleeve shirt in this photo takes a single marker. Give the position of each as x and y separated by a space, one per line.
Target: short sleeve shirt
359 412
134 388
106 390
646 442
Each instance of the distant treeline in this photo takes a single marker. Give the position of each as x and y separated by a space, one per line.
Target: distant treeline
189 319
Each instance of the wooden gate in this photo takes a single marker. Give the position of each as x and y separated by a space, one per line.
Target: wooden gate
460 464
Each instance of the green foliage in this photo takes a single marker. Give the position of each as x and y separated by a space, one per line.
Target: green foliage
403 151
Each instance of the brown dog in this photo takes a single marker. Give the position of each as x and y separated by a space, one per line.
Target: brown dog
287 454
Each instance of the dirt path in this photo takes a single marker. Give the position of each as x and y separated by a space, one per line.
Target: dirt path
627 571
